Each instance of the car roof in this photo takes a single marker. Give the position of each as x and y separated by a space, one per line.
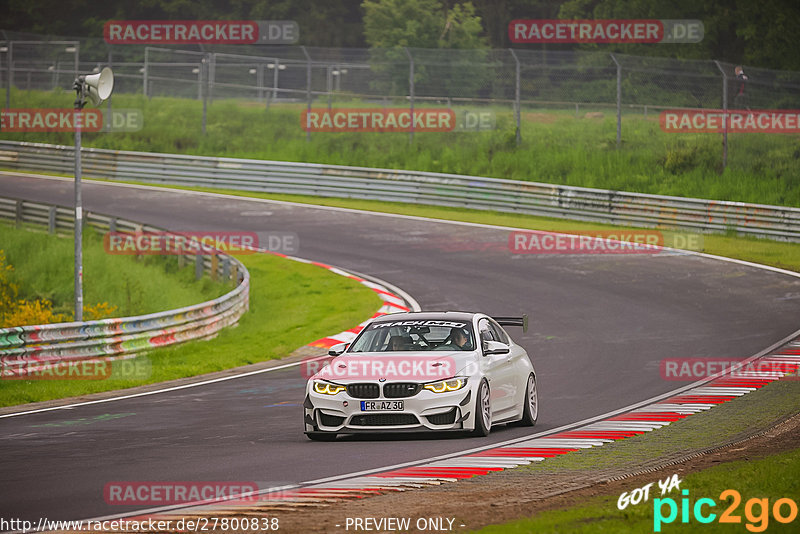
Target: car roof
427 316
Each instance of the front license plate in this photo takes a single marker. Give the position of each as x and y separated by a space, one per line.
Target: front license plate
377 406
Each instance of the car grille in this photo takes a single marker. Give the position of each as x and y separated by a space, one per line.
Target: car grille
364 391
399 390
330 420
446 418
384 419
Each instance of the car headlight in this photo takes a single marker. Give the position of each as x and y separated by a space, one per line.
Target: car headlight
443 386
327 388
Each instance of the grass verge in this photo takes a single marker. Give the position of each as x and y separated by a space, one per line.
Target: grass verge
557 146
291 304
43 268
772 477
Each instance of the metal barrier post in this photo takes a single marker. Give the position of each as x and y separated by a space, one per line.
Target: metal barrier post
10 77
260 80
308 88
51 220
78 219
144 70
204 86
410 92
76 58
724 114
619 100
329 85
214 265
226 268
211 75
108 105
517 110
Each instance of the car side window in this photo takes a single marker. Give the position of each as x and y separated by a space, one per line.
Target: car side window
485 331
498 332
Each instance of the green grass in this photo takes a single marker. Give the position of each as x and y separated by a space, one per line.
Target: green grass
731 421
291 305
557 147
44 268
773 477
770 478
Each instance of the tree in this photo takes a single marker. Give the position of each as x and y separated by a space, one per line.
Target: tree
392 26
400 23
762 33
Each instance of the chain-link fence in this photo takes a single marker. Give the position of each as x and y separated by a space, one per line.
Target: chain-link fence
403 76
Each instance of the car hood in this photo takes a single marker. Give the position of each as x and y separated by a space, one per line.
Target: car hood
396 366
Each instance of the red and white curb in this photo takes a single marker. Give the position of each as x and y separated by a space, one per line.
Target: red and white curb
392 302
521 452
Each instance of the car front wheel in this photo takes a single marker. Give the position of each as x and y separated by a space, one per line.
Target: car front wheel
483 411
530 404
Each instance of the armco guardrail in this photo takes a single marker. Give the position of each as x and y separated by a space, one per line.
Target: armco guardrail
516 196
25 349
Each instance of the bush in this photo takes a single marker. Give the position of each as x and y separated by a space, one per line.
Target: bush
22 312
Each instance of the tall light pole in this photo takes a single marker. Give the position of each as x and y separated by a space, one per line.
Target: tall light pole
96 88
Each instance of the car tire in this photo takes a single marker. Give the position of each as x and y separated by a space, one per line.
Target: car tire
530 403
321 436
483 411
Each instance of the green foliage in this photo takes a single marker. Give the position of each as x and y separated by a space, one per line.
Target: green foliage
737 31
399 23
390 26
321 22
291 304
740 31
557 147
43 271
462 28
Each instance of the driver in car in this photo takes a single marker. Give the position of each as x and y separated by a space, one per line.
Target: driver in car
399 343
457 340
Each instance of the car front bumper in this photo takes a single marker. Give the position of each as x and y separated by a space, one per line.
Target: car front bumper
425 411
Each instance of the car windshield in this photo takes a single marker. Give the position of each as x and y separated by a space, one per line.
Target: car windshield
415 335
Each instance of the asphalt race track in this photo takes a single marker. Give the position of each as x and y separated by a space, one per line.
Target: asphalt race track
600 324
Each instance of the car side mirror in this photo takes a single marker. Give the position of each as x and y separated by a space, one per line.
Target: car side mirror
336 350
495 347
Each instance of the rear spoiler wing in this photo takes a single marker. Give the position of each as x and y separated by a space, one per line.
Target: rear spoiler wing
513 321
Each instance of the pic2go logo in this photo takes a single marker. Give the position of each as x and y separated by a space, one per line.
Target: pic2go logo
756 511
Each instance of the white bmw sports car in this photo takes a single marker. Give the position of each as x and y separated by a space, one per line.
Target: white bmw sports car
424 371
